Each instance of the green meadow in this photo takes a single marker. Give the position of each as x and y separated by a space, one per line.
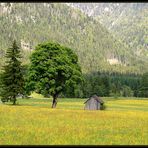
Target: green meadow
33 122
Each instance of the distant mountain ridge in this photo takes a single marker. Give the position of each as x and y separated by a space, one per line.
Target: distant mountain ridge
127 21
96 47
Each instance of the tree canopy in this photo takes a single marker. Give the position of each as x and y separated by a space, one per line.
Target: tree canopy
52 68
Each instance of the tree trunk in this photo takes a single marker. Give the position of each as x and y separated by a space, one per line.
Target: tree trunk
54 102
14 100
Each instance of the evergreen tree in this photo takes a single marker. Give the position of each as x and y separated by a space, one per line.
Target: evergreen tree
143 91
127 91
12 81
106 83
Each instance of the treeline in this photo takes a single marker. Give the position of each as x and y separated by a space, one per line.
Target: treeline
110 84
54 71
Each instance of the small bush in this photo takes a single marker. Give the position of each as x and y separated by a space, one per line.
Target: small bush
103 107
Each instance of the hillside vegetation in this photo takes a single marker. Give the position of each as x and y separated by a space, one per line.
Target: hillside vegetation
126 21
97 49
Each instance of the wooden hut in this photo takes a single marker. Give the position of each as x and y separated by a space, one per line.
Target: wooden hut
94 103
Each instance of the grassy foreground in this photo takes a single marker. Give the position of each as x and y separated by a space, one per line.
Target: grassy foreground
33 122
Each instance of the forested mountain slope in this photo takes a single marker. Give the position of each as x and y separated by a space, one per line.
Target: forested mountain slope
127 21
97 49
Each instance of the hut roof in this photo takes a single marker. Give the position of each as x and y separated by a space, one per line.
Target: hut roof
96 98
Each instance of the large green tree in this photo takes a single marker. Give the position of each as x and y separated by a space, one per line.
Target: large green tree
53 67
12 80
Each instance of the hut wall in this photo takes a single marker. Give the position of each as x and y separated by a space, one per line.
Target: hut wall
92 104
99 105
86 106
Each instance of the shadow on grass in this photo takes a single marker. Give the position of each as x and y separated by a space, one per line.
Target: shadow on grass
16 104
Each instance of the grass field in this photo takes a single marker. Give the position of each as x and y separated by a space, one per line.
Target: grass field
33 122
